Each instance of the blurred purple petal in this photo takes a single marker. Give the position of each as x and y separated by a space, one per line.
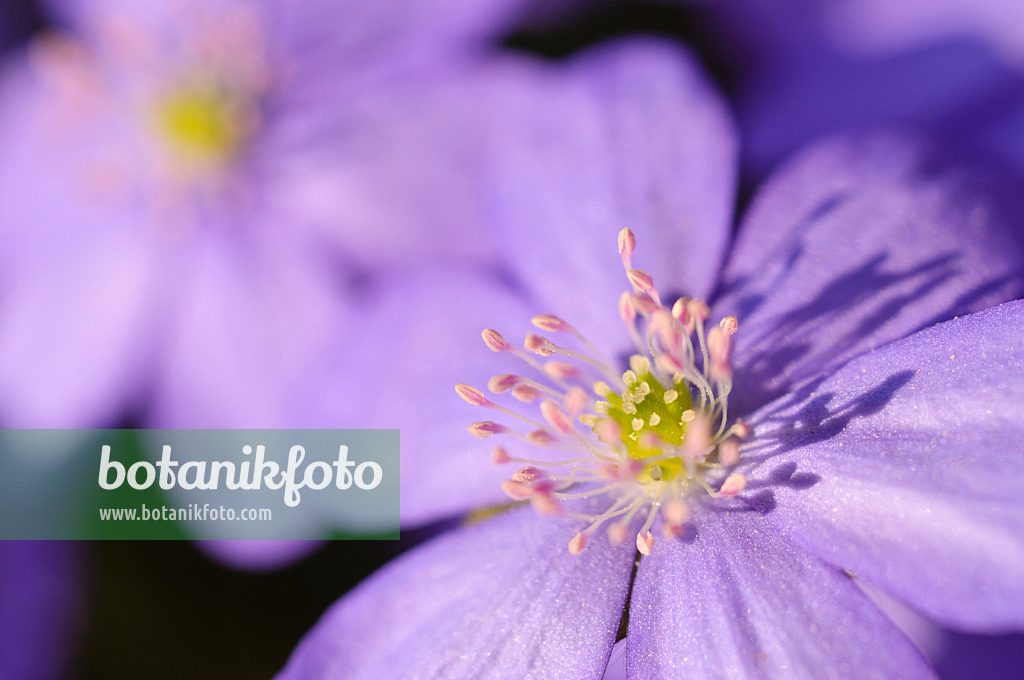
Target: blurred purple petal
420 338
860 241
77 278
810 68
905 468
340 168
499 599
215 283
726 603
955 91
879 26
364 34
627 135
257 555
251 320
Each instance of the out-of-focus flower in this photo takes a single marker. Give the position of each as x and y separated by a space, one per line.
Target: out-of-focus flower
883 447
186 186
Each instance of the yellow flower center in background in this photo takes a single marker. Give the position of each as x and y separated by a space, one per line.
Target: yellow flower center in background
203 123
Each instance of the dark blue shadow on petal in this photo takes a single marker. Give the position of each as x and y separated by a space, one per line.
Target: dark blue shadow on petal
864 290
806 418
934 233
762 502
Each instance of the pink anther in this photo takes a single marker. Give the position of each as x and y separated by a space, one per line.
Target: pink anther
732 485
500 384
550 323
575 401
729 452
541 438
473 395
486 428
729 325
561 369
494 341
627 310
627 244
539 345
577 543
529 475
608 431
525 393
645 542
555 417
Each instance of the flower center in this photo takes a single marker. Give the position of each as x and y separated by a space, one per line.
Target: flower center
640 442
213 107
204 122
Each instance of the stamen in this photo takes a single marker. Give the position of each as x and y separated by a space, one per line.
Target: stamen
645 543
473 395
500 384
524 393
539 345
486 428
627 244
729 452
494 341
732 485
617 533
575 401
650 436
555 417
561 369
578 542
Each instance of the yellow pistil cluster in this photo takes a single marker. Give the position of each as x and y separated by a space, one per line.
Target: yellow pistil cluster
649 415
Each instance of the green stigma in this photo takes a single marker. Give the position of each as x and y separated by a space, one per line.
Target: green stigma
650 417
201 122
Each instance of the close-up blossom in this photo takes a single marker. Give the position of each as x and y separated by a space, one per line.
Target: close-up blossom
840 410
572 339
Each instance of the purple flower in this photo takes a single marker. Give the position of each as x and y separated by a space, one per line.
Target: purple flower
186 188
884 435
